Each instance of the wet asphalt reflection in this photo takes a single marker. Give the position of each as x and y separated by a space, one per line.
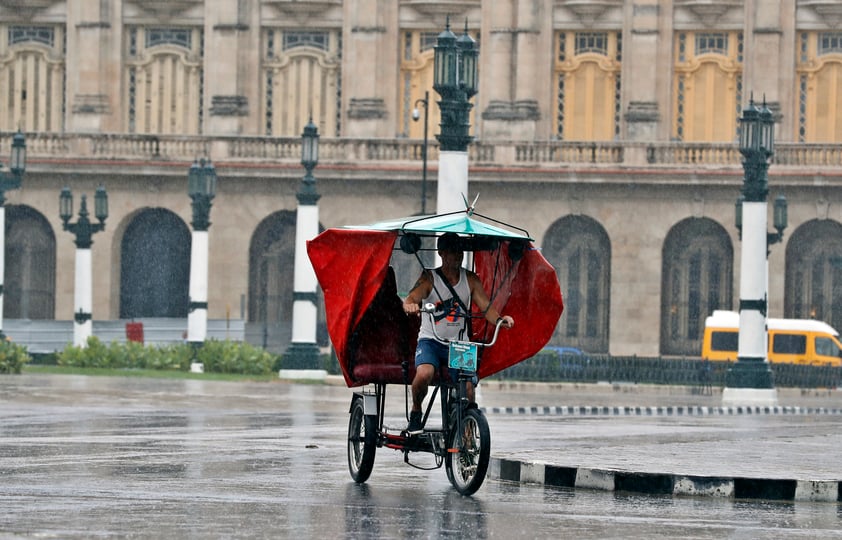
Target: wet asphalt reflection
84 457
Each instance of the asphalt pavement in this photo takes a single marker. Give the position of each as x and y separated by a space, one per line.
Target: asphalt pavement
662 440
667 440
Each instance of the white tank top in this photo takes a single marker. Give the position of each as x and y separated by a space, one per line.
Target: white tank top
450 318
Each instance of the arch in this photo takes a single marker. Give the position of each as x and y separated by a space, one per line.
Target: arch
813 281
271 284
29 288
696 278
33 75
164 81
271 275
580 250
300 80
707 86
155 265
587 85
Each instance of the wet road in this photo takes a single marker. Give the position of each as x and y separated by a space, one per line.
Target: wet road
84 457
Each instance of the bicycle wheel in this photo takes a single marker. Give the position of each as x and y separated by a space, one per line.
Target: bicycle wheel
362 442
467 466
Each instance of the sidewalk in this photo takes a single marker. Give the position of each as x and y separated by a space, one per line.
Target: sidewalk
666 440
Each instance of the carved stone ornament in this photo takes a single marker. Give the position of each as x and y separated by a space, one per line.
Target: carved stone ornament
27 9
455 8
303 7
166 9
828 11
709 11
589 11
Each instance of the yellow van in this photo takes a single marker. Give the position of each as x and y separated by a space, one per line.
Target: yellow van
791 341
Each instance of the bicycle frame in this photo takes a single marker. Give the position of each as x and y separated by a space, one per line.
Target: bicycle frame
453 401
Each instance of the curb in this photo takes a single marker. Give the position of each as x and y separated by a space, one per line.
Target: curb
664 484
661 411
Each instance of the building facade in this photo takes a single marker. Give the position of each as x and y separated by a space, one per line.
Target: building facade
605 128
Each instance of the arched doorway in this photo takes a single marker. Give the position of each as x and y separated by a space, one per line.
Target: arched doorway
155 266
696 279
29 285
579 249
271 275
814 272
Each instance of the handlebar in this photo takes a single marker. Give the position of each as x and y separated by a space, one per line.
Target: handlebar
430 308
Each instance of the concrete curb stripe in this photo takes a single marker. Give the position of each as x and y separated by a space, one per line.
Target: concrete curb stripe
588 410
664 484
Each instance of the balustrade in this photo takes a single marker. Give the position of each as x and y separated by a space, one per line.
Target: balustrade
540 154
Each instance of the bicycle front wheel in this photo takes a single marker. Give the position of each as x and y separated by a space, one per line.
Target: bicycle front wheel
362 442
469 452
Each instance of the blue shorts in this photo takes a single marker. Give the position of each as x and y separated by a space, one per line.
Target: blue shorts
430 351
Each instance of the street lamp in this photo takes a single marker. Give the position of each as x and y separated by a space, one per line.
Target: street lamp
416 114
84 231
301 360
751 380
201 187
17 166
456 81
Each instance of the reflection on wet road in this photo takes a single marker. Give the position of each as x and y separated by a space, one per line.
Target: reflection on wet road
100 457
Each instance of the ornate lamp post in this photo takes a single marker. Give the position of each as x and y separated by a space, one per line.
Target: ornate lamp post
84 230
455 80
301 360
750 381
17 166
416 114
201 187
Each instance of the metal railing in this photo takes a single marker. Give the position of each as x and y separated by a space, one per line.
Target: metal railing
552 367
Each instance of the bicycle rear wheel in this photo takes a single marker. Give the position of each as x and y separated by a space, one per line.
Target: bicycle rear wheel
362 442
469 452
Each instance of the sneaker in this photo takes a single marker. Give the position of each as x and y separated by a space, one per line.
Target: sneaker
414 422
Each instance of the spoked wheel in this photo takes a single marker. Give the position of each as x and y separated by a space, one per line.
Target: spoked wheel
362 442
466 467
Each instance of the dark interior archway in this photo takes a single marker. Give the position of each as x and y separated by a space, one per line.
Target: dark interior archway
29 287
155 266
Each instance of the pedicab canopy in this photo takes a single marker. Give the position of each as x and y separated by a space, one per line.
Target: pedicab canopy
375 340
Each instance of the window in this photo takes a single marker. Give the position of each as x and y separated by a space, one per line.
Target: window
592 42
300 80
36 34
830 42
826 347
724 341
180 37
707 76
588 86
715 43
789 344
819 75
293 39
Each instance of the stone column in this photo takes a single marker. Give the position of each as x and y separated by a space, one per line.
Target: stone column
769 62
640 69
94 57
230 82
370 35
517 42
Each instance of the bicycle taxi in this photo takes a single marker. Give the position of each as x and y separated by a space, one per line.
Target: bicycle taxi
375 340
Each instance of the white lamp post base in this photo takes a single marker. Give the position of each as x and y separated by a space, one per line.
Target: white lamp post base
303 374
750 396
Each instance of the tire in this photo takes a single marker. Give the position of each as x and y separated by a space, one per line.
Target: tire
466 468
362 442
